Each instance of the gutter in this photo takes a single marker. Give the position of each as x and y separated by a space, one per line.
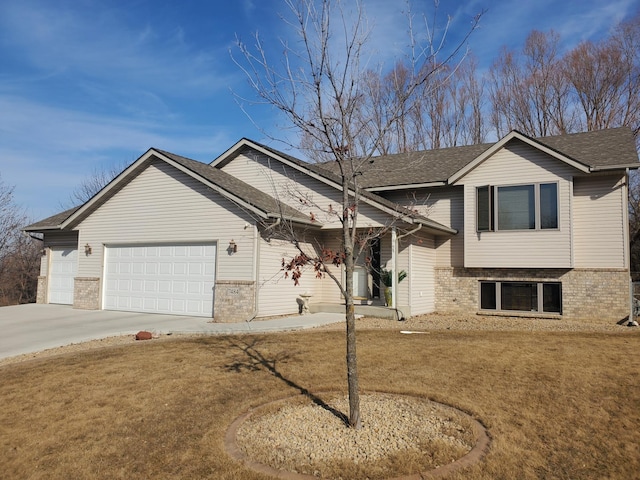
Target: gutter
626 166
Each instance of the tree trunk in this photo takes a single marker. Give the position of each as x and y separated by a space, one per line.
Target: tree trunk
348 237
352 370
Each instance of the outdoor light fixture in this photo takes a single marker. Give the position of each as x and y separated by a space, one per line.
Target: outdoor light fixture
87 249
233 247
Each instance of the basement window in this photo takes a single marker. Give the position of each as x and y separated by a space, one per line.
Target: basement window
545 297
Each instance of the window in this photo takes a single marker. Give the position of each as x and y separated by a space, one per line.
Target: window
521 296
517 207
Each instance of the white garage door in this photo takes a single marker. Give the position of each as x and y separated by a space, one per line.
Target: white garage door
63 269
174 279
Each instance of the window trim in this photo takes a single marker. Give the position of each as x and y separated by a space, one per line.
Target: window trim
540 296
493 193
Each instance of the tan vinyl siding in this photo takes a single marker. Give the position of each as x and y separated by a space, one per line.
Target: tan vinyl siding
422 276
598 222
164 205
329 291
298 190
278 295
444 205
519 164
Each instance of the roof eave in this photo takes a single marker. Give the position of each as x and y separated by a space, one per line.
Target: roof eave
41 229
289 218
437 229
603 168
406 187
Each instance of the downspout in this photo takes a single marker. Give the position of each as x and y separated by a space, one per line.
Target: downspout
394 265
627 243
256 259
394 261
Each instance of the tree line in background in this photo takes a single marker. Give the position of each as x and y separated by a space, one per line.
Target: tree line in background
536 90
19 253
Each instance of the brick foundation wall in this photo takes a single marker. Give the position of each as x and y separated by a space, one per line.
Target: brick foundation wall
601 294
234 301
86 293
41 295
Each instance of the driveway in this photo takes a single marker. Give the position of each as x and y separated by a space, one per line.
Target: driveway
35 327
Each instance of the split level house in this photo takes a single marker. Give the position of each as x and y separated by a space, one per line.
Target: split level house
523 226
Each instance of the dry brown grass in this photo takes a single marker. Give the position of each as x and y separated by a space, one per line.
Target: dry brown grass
557 405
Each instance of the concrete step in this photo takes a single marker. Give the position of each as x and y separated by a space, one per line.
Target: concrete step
377 311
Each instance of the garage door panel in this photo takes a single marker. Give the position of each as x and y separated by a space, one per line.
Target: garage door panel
176 279
63 269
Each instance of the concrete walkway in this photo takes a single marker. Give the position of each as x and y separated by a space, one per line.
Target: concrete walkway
32 328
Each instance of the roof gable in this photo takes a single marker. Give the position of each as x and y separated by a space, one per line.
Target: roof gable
330 178
587 152
238 192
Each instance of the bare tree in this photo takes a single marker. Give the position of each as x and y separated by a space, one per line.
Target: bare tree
320 90
19 253
528 90
92 184
605 78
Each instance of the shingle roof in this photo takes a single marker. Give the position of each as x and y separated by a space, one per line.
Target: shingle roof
604 148
381 201
51 222
251 195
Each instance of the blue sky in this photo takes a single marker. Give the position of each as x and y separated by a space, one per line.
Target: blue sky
86 84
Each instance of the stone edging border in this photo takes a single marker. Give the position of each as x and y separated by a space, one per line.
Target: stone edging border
477 453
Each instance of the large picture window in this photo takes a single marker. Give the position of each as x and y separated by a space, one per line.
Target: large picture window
521 296
517 207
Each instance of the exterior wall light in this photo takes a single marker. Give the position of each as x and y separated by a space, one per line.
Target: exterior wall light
87 249
233 246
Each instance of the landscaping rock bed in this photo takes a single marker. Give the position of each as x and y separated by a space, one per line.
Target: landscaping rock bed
305 437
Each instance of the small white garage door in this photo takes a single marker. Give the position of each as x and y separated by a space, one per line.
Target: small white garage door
63 268
173 279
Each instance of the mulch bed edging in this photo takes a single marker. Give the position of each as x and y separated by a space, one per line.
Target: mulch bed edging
477 453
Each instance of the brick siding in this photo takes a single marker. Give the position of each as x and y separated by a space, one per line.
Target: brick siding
601 294
234 301
86 293
41 295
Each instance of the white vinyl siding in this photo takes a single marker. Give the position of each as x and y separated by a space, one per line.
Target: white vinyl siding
60 240
515 164
598 222
298 190
63 266
164 205
170 279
